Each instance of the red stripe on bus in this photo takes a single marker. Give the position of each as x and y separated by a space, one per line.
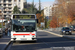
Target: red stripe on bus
33 34
23 34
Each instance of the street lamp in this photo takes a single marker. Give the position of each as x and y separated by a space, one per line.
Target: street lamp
1 7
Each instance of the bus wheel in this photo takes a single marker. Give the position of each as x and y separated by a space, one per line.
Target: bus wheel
0 36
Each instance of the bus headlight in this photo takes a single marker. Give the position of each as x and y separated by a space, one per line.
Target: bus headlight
69 31
63 31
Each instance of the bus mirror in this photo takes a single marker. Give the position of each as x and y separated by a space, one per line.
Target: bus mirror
37 20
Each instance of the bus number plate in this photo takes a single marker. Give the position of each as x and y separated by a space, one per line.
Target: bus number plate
23 39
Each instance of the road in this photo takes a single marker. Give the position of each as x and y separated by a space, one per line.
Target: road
45 42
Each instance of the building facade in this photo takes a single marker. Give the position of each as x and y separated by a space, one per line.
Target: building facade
8 6
54 10
48 12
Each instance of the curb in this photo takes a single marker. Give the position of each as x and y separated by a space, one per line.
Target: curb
68 37
53 33
59 35
5 47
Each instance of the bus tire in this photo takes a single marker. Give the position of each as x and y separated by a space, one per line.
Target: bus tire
0 36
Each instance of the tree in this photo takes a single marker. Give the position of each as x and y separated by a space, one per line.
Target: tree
23 11
48 23
31 9
16 10
40 19
54 23
66 11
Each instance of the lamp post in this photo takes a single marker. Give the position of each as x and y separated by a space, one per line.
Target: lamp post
1 7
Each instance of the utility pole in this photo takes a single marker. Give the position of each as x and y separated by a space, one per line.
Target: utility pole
33 6
39 5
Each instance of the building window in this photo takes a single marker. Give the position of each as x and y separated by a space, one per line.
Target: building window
9 11
15 0
4 0
0 11
19 4
4 11
0 0
4 15
0 4
9 0
9 4
10 8
18 7
19 0
14 4
4 4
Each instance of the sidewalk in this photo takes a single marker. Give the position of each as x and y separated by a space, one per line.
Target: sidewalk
4 41
57 33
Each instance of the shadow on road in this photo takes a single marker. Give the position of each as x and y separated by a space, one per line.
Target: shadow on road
44 43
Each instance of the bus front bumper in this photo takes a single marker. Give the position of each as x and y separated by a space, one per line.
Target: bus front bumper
14 39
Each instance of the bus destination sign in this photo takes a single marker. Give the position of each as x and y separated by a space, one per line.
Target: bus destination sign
23 16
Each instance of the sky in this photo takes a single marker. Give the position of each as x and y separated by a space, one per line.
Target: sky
38 0
44 3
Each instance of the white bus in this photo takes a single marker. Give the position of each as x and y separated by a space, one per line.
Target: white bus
23 27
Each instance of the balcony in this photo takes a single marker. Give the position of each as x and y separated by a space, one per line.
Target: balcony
4 10
10 3
4 6
10 13
10 6
0 10
5 13
5 3
10 10
0 13
1 2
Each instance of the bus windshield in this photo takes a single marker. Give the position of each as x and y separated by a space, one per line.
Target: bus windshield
21 25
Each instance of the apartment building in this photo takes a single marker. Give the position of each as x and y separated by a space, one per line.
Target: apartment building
48 12
8 6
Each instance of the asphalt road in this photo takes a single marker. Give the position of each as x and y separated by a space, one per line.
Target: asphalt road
45 41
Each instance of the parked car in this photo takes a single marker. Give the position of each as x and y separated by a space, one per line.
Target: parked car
66 30
72 27
0 32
